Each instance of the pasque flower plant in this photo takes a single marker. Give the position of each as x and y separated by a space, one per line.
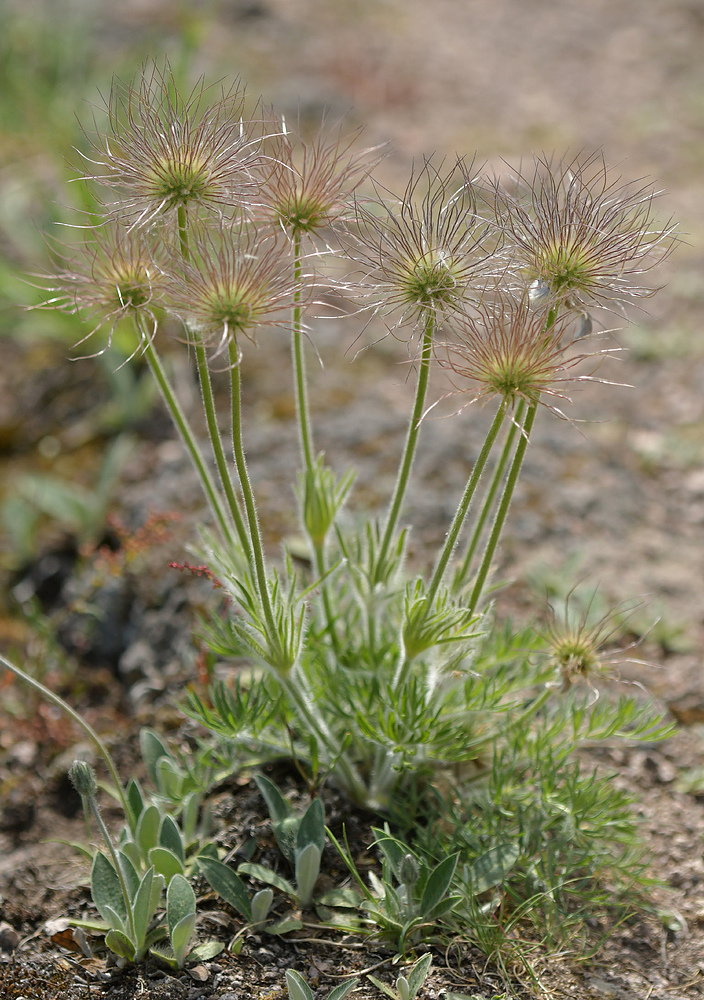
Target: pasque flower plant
360 670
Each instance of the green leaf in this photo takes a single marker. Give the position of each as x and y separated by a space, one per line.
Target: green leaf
131 850
180 902
312 827
279 808
418 974
121 945
157 889
106 889
158 934
444 906
269 877
342 990
261 904
148 829
181 937
491 868
165 862
141 910
438 883
393 850
287 923
115 920
165 955
348 898
135 800
298 988
205 951
153 748
189 815
169 779
129 873
383 987
81 848
209 850
170 836
226 883
307 871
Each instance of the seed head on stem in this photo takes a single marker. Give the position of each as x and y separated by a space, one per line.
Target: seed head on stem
508 349
422 253
115 273
578 643
163 151
308 186
235 283
581 234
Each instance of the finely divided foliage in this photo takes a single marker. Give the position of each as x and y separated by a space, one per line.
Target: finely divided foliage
403 690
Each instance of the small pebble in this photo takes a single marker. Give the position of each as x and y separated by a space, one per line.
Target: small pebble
9 937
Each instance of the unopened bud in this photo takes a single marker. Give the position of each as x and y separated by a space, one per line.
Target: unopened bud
408 870
83 778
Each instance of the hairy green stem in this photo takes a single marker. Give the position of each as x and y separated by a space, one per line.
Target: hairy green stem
93 806
463 507
187 436
409 450
296 686
182 217
321 567
404 664
305 431
87 729
206 391
504 505
463 572
248 497
299 365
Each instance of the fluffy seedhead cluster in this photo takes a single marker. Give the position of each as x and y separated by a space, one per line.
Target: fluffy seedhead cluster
117 273
163 151
427 252
578 642
306 187
579 233
234 282
506 348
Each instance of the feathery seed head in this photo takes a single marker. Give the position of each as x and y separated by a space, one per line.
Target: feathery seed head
507 348
580 232
308 186
114 274
235 283
163 151
425 251
577 642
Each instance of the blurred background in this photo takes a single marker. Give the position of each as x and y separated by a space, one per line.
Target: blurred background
617 500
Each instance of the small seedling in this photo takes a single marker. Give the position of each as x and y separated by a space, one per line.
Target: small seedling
407 986
298 988
301 840
408 912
